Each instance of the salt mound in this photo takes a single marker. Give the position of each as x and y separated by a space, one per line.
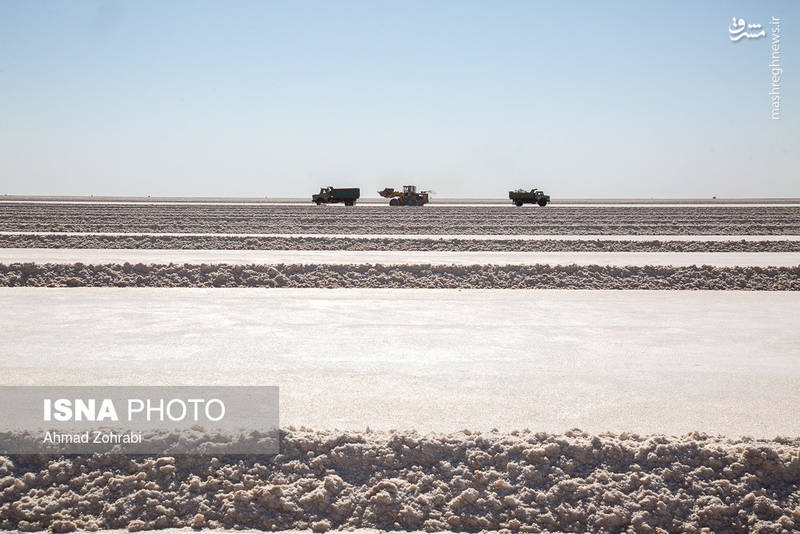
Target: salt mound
691 220
521 481
382 243
402 276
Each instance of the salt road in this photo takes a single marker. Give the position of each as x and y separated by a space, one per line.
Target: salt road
433 360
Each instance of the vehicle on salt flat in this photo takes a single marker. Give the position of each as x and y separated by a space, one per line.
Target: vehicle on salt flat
332 195
409 196
534 196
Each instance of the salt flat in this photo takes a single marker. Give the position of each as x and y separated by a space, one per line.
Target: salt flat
371 219
345 257
476 237
640 361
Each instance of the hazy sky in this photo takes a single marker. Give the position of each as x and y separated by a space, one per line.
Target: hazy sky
194 98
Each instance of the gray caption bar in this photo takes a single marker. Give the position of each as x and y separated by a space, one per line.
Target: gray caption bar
139 420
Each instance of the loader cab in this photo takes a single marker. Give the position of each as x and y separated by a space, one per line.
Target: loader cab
409 189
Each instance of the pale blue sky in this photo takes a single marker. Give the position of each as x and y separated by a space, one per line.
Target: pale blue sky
196 98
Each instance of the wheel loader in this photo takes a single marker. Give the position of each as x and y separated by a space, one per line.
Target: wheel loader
409 196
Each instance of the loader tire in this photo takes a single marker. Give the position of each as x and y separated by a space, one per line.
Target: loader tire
394 202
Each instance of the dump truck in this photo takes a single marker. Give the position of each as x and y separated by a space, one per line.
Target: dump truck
332 195
534 196
409 196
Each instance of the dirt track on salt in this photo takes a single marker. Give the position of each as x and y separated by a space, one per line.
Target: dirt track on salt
765 220
520 481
